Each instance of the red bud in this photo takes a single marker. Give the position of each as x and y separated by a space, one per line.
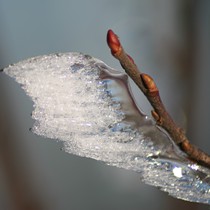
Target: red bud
113 42
131 59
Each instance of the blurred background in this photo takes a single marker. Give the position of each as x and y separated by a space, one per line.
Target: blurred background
168 39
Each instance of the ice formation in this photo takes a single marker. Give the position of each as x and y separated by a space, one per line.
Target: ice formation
89 106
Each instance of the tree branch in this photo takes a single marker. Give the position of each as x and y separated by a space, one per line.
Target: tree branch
150 90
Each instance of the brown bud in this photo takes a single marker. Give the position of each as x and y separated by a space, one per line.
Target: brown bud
131 59
113 42
157 118
149 83
186 147
155 115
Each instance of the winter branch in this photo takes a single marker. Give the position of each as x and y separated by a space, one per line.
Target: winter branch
150 90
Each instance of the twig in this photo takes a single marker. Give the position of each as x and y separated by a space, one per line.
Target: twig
150 90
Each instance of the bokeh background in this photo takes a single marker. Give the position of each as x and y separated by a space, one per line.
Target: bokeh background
169 39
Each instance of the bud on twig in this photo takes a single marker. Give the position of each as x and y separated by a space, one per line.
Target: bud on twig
131 59
149 83
113 42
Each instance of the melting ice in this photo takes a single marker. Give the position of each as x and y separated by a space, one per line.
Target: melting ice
89 106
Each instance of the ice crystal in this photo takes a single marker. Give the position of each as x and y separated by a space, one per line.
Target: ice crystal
89 106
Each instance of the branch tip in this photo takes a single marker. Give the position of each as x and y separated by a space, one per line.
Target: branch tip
113 42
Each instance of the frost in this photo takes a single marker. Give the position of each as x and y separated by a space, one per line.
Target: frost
88 106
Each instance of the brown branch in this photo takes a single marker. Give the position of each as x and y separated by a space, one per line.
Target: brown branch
150 90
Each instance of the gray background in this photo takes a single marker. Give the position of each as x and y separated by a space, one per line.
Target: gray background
169 39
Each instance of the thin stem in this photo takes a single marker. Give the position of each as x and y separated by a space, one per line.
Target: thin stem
147 85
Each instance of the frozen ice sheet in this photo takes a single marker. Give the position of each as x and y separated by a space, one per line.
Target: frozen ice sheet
89 106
